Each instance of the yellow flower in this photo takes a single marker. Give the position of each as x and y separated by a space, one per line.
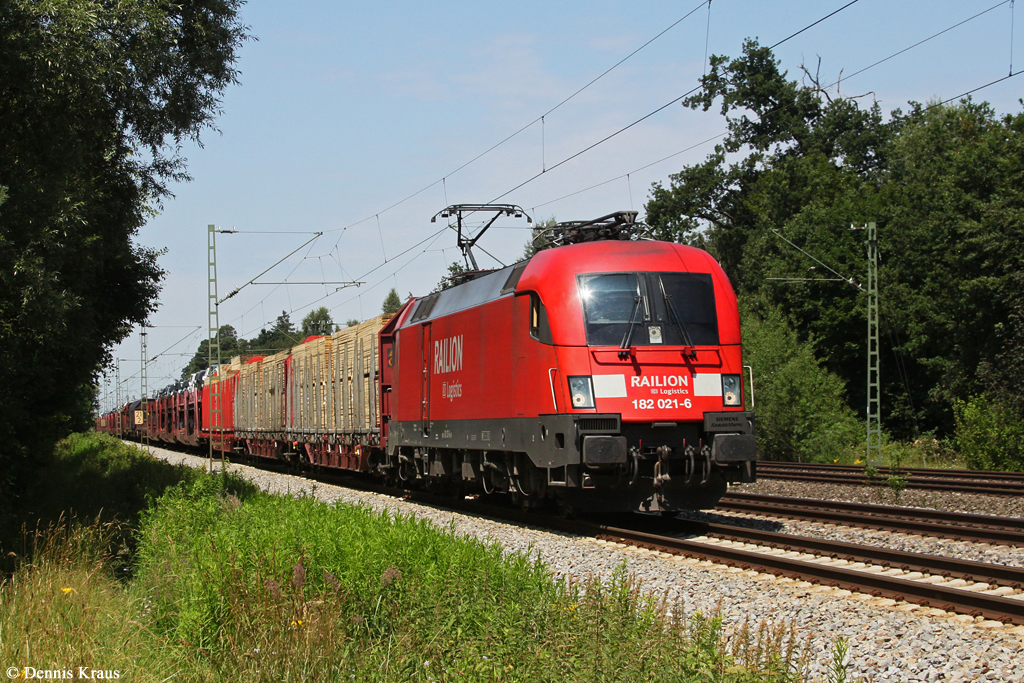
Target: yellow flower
65 591
836 460
297 622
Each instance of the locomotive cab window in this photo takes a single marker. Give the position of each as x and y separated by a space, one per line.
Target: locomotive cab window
649 309
539 327
688 300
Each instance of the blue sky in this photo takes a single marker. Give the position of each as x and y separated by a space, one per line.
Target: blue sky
345 109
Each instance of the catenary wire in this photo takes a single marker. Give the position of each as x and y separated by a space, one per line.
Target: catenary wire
814 24
836 83
922 42
443 181
780 42
650 114
525 127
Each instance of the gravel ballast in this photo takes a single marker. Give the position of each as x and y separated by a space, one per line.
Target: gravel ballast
1002 506
889 641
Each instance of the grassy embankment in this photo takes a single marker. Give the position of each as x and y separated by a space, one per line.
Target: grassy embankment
219 582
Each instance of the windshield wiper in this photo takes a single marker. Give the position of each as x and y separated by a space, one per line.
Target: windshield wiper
678 321
628 336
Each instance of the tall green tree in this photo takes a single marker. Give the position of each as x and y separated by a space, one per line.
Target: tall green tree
392 303
775 200
230 345
538 237
96 99
282 335
801 407
317 321
455 272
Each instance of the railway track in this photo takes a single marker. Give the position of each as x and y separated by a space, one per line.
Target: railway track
962 481
992 592
957 526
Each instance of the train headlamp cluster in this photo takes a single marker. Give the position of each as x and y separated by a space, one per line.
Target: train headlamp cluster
732 395
582 392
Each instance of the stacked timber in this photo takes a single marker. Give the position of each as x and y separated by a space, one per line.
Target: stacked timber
271 413
309 387
247 399
260 397
353 401
327 386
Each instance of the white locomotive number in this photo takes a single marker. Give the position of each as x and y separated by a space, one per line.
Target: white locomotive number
663 403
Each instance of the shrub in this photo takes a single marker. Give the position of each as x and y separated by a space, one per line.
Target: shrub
801 408
91 476
989 436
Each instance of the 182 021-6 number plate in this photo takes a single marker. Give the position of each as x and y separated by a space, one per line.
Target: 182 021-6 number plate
661 403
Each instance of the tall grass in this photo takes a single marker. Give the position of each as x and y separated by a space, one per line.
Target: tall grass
63 608
273 587
229 583
90 476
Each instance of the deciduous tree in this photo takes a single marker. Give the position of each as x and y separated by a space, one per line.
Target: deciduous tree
775 200
96 99
317 321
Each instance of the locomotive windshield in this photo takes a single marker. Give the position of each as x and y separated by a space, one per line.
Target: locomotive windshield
676 309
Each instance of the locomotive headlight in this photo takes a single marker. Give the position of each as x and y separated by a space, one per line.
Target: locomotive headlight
731 393
582 392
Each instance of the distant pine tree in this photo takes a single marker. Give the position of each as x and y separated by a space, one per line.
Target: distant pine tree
391 303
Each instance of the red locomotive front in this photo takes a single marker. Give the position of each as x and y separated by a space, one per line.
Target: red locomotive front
605 374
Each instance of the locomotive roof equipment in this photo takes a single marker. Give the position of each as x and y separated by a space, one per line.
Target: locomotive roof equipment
620 225
467 243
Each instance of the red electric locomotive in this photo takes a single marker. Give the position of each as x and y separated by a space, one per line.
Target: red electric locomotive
605 373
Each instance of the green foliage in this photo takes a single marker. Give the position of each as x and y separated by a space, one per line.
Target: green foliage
96 99
455 272
69 610
231 583
538 237
317 321
839 667
944 183
392 303
230 345
282 335
801 409
91 476
351 322
989 436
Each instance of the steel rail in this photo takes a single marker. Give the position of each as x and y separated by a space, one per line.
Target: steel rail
993 607
989 489
969 570
923 481
931 472
950 599
955 526
966 519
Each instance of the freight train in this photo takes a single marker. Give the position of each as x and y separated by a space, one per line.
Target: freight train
603 373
